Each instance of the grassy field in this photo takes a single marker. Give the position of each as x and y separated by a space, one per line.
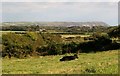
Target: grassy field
92 63
66 36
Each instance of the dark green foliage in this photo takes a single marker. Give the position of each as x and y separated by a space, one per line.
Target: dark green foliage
21 45
101 43
42 50
20 28
54 49
50 49
48 38
15 28
30 43
69 48
115 32
35 44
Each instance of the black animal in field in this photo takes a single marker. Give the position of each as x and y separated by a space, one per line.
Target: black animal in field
68 58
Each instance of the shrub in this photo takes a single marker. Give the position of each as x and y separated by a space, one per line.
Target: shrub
20 45
69 48
101 43
30 43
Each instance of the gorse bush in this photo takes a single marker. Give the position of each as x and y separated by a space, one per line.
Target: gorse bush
21 45
15 44
50 49
69 48
35 44
115 32
102 43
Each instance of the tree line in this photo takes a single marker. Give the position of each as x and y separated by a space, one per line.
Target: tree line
72 29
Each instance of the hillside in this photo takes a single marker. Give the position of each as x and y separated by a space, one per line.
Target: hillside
73 27
67 24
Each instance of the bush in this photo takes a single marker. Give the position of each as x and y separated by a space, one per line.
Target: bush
21 45
115 32
101 43
69 48
30 43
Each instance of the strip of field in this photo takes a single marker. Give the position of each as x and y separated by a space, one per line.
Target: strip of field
66 36
91 63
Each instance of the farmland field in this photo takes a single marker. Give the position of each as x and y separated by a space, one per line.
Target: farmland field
87 63
65 36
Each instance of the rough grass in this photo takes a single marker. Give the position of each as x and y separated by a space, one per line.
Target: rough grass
92 63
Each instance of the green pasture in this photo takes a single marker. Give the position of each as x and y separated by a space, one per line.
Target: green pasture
87 63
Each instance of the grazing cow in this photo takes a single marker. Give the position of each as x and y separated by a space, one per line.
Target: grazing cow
68 58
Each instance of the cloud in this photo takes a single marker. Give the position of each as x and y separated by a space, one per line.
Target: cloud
60 11
38 6
0 12
27 6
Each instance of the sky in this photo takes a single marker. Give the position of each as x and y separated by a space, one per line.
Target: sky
60 11
59 0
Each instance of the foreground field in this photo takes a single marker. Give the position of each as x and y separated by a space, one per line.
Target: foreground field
92 63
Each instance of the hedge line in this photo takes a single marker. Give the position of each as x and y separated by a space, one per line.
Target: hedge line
35 44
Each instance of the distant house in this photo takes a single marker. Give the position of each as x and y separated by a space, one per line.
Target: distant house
42 30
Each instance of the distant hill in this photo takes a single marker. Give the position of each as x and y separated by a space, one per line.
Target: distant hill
66 24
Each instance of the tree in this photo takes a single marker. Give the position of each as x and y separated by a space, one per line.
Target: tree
115 32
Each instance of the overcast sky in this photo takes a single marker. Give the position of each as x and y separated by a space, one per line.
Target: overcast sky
60 11
59 0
